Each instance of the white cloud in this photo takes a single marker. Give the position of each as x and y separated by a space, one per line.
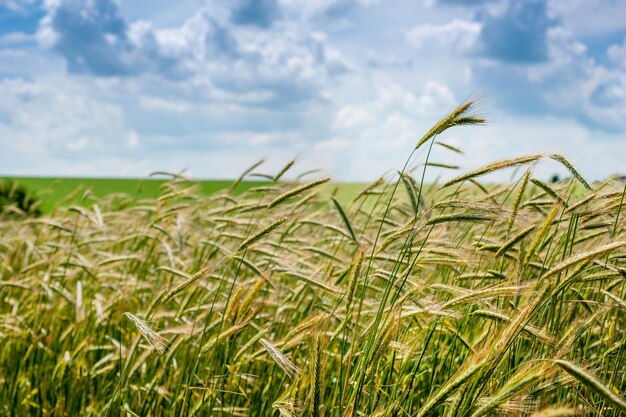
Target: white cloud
564 52
601 91
308 9
572 83
508 137
349 117
165 105
284 64
133 140
78 144
16 5
617 54
589 16
13 38
46 118
460 35
376 133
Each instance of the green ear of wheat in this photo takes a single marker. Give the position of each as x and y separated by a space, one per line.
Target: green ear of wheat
591 381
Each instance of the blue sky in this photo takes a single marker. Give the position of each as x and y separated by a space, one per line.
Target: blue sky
124 88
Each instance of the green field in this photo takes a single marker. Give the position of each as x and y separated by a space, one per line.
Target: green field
54 191
455 300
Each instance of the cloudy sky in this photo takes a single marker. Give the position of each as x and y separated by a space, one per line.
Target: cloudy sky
126 87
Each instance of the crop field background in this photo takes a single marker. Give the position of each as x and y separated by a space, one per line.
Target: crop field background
64 191
402 299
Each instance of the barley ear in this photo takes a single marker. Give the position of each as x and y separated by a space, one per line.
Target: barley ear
591 381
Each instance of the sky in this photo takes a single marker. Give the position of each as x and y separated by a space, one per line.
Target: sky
127 87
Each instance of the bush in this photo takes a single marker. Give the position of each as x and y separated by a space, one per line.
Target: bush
15 198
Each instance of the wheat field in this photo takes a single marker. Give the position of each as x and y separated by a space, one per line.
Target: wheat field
456 299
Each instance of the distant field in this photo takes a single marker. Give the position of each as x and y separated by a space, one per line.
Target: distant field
53 191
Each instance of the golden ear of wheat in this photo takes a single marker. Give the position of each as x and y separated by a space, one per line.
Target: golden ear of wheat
281 360
158 342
